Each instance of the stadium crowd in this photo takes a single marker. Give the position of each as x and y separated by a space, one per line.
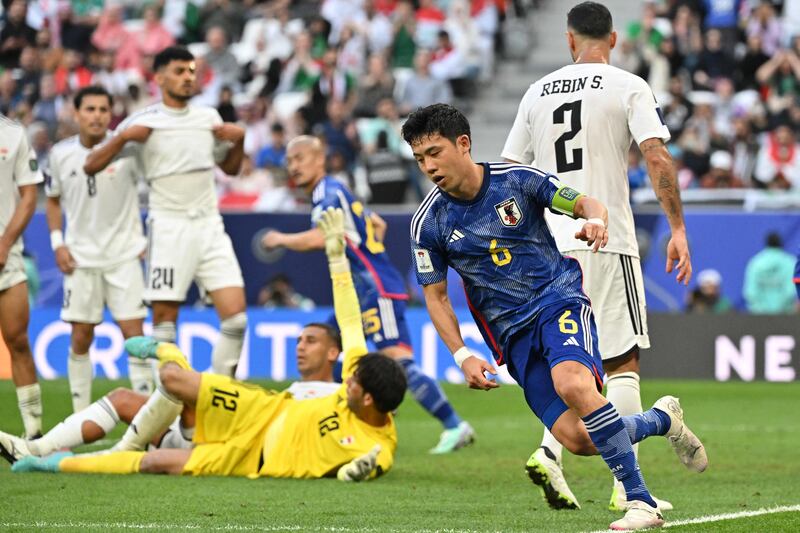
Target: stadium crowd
339 69
727 76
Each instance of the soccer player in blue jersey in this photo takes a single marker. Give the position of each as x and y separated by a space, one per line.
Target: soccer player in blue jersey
381 290
486 221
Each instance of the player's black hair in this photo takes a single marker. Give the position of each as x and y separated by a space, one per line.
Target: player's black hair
330 331
774 240
442 119
384 379
171 53
91 90
590 19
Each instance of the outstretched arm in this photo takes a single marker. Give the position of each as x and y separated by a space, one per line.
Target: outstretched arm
304 241
444 319
665 183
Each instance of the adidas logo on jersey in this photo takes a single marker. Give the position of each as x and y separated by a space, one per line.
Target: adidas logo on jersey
456 235
571 342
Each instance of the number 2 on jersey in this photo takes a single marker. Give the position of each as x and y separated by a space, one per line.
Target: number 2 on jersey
574 109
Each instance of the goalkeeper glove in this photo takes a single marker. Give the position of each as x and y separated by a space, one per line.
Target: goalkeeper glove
360 468
331 223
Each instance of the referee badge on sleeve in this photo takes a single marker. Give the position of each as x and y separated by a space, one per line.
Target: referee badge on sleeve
424 264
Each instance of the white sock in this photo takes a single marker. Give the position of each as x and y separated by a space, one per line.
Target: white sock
69 433
141 374
622 390
552 444
29 400
79 372
154 417
225 355
165 332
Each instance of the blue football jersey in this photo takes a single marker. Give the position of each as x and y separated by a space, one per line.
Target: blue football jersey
502 248
373 273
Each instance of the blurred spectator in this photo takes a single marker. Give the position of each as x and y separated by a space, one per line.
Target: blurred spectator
676 107
422 89
780 76
341 13
748 65
10 97
778 161
377 28
301 71
16 34
430 21
319 30
715 62
744 148
637 173
256 125
707 297
273 155
375 85
225 107
686 178
385 173
339 133
48 108
447 62
154 35
764 24
29 74
768 286
220 59
111 34
404 27
226 14
723 18
352 51
388 121
71 75
278 292
720 175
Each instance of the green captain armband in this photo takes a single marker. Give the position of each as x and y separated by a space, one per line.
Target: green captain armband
564 200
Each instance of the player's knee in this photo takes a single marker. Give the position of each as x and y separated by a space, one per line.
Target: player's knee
126 402
571 390
17 342
171 377
235 325
580 444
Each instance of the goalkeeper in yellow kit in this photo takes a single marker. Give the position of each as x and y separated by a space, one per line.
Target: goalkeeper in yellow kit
244 430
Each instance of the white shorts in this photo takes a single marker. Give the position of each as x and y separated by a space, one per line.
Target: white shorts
14 271
615 285
88 290
181 250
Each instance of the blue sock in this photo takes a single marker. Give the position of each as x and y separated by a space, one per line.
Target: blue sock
642 425
610 437
429 395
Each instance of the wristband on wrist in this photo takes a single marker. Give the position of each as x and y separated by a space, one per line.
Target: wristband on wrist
598 221
56 239
461 355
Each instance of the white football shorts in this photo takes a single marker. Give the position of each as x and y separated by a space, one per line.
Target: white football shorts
181 250
14 271
615 285
88 290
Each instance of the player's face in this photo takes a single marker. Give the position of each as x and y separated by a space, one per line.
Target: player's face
315 351
177 79
442 161
305 163
355 395
94 115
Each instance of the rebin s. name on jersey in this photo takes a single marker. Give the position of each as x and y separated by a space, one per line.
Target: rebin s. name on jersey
571 86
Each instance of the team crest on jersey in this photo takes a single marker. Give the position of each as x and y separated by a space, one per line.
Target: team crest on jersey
509 212
347 441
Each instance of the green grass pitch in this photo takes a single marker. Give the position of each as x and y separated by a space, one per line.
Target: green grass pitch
751 431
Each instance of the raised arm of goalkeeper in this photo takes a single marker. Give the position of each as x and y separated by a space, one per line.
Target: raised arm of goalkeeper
345 299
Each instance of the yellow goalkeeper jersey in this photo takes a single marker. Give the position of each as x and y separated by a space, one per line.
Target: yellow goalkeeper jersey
313 438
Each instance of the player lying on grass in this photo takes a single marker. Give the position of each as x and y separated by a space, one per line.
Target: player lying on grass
244 430
318 348
486 221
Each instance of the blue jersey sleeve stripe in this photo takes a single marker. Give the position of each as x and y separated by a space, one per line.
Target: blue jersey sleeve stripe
422 212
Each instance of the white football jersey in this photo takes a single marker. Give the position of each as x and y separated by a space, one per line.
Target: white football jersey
307 390
179 156
578 123
18 167
104 225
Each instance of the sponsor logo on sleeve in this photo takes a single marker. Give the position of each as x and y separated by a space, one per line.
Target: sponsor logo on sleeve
424 264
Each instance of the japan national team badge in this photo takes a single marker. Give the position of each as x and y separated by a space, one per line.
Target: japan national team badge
509 212
424 264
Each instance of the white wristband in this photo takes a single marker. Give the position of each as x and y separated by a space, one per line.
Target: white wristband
461 355
598 221
56 239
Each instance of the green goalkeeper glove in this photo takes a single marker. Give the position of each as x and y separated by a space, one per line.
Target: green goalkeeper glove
360 468
331 222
